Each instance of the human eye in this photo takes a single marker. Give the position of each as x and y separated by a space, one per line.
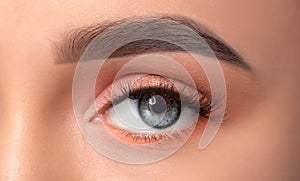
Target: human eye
155 100
150 109
141 114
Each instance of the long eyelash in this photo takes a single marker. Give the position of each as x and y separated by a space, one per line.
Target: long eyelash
199 102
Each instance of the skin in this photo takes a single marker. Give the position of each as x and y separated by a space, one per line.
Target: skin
40 139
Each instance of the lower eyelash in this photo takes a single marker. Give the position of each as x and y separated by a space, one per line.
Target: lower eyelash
158 139
137 138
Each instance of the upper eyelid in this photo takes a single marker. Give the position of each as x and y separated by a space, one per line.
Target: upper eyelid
106 94
133 76
74 43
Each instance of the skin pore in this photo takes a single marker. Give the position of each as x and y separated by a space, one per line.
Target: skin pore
40 139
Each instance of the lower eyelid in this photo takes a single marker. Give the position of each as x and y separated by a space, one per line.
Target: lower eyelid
146 138
172 133
135 138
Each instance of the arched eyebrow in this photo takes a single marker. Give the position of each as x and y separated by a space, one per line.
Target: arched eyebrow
73 43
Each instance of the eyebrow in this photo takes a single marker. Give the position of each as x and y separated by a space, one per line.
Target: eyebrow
75 42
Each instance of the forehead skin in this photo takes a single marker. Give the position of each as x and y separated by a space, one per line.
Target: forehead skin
265 33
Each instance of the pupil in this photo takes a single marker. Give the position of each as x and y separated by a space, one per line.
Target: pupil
159 108
157 104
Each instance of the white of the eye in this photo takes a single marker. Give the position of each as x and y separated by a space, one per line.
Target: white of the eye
125 115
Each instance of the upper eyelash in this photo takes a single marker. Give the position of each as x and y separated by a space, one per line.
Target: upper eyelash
199 102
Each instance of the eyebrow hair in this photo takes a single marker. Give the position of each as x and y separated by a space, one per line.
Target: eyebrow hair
76 41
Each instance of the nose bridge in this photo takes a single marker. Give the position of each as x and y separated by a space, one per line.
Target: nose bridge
32 144
31 137
28 145
13 123
20 121
12 157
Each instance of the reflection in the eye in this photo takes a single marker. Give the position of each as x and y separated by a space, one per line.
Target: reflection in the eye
147 109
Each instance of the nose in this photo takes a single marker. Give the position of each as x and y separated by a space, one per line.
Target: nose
35 121
15 149
31 149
